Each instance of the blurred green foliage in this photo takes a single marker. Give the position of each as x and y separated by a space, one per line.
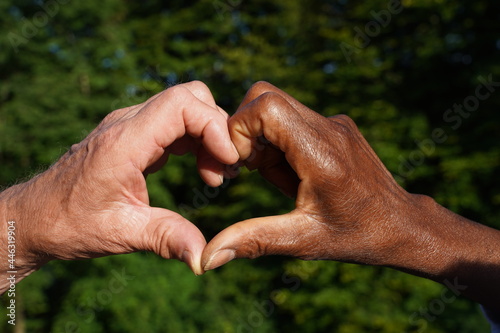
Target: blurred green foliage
400 71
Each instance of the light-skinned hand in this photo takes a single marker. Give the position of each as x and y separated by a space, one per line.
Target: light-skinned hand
94 202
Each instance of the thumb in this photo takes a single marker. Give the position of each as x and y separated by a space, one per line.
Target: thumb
171 236
272 235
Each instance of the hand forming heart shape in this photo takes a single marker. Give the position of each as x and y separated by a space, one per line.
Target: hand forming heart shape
94 201
345 197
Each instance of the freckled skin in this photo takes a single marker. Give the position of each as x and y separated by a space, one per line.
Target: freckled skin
348 206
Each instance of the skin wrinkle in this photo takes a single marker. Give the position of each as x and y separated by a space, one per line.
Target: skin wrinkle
156 111
273 113
208 127
98 201
361 143
309 146
188 124
348 206
162 240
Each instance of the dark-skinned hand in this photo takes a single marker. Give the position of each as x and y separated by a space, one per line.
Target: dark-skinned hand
348 207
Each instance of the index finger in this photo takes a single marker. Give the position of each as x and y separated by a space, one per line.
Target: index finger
263 87
272 116
201 91
172 114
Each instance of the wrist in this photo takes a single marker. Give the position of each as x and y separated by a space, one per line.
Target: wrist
18 260
423 246
440 245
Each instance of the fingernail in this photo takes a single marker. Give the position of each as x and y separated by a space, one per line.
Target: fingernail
236 150
221 177
220 258
187 257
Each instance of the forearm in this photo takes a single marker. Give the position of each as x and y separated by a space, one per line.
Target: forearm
15 261
452 250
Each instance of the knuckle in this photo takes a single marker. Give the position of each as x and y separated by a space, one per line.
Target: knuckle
173 94
102 141
113 116
273 103
268 105
197 84
259 88
200 88
172 91
344 125
344 120
74 148
273 109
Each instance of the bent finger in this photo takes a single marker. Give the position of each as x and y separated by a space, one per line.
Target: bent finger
170 116
279 122
263 87
203 93
210 170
